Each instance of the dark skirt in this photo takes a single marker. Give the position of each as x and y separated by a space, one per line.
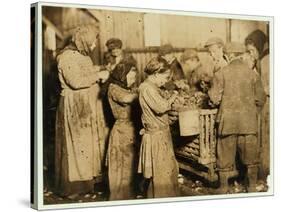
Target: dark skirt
121 161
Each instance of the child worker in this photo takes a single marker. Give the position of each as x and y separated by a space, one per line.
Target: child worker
157 160
121 148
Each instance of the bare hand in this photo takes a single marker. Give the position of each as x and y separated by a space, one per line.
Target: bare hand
103 75
172 98
173 113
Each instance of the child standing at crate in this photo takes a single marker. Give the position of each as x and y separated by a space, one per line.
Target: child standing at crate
122 139
157 159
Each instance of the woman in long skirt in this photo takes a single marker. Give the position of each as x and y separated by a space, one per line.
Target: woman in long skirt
80 125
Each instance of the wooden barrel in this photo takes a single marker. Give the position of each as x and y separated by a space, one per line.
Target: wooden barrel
189 122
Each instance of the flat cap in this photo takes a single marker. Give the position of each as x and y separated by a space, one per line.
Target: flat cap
235 47
188 54
212 41
165 49
113 43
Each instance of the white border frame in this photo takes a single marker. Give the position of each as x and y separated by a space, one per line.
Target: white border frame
38 148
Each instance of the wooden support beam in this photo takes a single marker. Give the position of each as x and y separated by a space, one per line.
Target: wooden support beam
228 30
50 24
156 49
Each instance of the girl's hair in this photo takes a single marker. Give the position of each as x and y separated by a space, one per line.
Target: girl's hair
258 39
156 65
79 40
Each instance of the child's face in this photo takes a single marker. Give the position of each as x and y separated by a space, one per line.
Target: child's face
109 59
191 64
253 51
117 52
216 51
162 78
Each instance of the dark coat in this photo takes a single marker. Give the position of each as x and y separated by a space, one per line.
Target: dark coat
176 73
239 93
176 69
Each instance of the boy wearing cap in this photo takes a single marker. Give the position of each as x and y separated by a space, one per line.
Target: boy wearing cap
190 62
114 53
215 47
167 56
238 92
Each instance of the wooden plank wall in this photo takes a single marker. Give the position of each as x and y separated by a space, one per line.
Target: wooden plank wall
127 26
240 29
180 31
190 31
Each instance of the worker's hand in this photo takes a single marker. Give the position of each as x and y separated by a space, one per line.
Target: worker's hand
103 76
211 104
173 116
135 90
172 98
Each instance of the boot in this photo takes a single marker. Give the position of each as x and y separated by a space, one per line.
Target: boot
252 175
224 187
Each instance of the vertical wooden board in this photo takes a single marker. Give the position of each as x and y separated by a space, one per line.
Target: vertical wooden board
55 15
170 31
228 23
143 61
127 26
202 137
108 24
134 30
127 31
240 29
117 19
183 36
100 15
207 134
73 17
263 26
212 138
203 28
152 29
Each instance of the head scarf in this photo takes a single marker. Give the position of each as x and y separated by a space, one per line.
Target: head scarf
258 39
119 73
84 37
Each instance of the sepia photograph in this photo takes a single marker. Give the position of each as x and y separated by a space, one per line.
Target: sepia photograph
146 104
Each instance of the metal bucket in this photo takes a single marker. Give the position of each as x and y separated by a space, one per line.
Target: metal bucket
189 122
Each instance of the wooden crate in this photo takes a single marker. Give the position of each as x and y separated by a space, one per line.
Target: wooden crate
199 155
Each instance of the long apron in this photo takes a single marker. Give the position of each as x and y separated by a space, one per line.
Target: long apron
158 163
121 160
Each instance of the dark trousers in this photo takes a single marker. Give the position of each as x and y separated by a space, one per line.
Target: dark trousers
228 146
